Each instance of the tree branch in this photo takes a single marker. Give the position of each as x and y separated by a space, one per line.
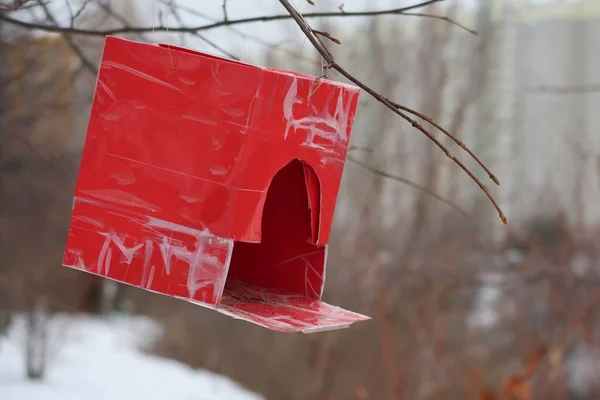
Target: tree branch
225 17
406 182
442 18
228 22
199 36
395 107
244 35
84 60
17 5
78 13
109 11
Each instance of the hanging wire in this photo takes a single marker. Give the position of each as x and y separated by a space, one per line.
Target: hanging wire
168 45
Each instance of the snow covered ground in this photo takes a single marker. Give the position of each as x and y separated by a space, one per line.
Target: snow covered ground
103 359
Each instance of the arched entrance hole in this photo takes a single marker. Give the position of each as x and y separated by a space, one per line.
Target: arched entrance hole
286 258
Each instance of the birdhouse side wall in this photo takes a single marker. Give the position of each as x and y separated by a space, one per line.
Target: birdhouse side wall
142 251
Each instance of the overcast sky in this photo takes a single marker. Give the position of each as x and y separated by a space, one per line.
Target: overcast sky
282 33
278 33
272 32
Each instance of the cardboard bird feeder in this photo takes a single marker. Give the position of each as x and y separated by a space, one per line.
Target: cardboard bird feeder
213 181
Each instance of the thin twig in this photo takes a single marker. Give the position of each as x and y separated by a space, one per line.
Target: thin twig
191 29
175 12
84 60
442 18
328 36
450 135
225 17
331 63
109 11
18 5
71 12
78 13
244 35
408 182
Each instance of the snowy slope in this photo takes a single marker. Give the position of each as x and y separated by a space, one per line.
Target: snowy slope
95 359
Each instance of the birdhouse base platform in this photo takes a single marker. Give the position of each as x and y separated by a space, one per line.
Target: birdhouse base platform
277 310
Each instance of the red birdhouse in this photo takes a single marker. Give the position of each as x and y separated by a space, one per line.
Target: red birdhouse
213 181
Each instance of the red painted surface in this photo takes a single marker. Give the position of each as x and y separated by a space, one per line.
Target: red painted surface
191 183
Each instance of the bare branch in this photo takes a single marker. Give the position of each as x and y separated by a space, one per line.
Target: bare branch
17 5
225 17
450 135
331 63
175 12
108 10
84 60
328 36
229 22
80 11
71 12
442 18
406 182
244 35
189 10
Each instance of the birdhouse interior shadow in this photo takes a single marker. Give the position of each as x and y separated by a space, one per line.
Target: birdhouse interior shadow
287 258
